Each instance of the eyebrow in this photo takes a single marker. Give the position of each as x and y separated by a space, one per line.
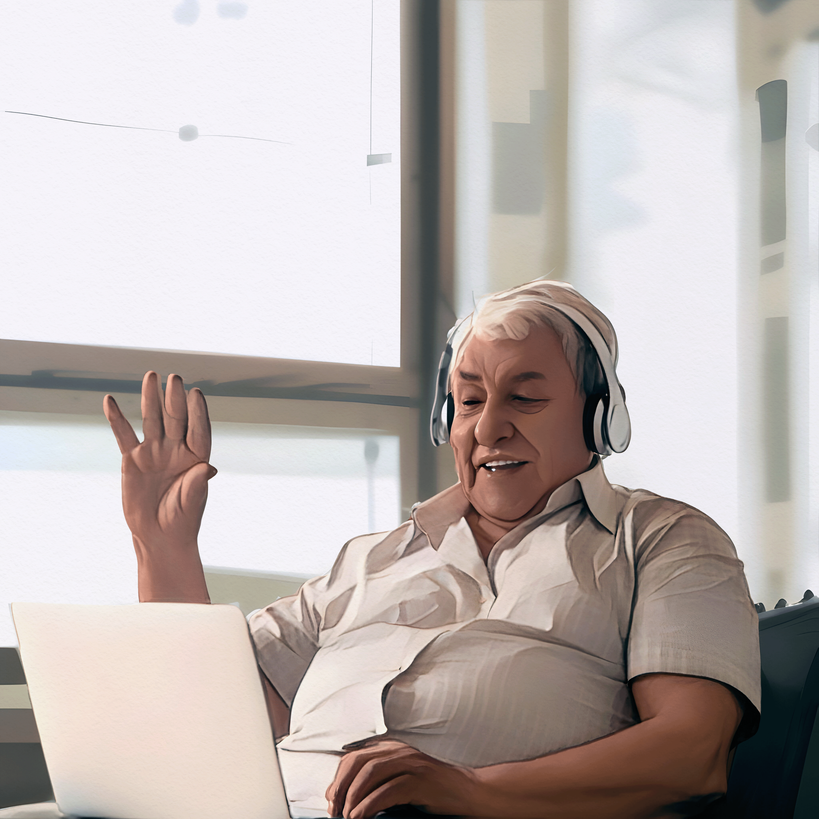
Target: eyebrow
531 375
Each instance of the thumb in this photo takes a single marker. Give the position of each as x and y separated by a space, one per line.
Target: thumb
195 484
201 473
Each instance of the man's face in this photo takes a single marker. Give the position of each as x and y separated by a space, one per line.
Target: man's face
517 432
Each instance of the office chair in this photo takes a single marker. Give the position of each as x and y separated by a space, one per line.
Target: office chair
23 774
769 776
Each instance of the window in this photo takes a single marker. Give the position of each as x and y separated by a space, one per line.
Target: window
306 338
239 192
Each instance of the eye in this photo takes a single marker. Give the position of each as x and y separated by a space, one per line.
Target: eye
469 398
525 403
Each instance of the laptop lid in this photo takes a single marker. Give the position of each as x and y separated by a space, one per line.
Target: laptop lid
150 711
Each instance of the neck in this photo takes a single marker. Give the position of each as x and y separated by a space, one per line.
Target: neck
488 531
486 534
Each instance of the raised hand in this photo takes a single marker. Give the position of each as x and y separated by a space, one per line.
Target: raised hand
165 487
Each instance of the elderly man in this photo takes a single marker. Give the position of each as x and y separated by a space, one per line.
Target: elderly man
534 642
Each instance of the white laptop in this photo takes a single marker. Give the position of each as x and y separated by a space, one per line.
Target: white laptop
150 711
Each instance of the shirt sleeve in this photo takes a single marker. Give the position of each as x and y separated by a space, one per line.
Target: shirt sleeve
692 613
286 635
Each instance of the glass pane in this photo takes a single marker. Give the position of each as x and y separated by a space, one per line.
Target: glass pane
290 497
285 501
654 180
248 200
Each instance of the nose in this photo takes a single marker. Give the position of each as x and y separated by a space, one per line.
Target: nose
494 425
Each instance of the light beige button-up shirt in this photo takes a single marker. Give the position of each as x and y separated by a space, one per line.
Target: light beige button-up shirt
411 632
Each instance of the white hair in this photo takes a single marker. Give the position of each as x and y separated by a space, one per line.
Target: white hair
511 314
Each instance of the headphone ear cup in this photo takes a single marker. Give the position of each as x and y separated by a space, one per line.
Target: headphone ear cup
588 421
594 421
449 414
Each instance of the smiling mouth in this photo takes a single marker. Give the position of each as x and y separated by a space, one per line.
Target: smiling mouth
495 466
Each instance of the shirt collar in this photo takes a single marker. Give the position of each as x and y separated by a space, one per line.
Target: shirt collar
434 516
599 494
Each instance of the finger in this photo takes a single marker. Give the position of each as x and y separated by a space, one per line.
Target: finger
123 431
199 434
352 763
361 771
153 426
373 775
176 408
346 772
397 791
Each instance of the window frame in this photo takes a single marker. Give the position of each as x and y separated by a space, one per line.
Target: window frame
72 378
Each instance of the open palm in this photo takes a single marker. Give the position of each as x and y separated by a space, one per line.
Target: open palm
164 477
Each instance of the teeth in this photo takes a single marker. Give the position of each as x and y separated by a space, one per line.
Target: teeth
493 465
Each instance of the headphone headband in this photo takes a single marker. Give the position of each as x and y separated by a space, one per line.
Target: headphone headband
618 425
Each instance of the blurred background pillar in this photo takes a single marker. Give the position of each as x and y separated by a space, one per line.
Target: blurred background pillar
778 73
510 144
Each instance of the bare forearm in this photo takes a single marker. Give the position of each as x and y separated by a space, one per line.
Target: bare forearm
277 708
648 770
170 575
670 764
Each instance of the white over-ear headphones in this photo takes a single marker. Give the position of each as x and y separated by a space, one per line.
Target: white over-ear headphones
606 423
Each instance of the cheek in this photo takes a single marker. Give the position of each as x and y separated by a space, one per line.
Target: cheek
459 449
460 441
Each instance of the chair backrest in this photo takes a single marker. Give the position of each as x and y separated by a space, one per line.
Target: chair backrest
23 774
11 669
249 589
767 769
